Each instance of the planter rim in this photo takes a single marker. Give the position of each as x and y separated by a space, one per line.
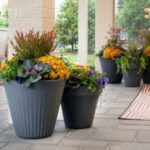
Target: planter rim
83 87
106 58
13 81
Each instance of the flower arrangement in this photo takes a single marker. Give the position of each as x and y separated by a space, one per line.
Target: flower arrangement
147 51
113 47
32 61
145 36
86 76
58 68
132 58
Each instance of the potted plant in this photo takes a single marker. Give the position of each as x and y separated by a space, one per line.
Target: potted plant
80 97
34 82
112 50
145 34
132 64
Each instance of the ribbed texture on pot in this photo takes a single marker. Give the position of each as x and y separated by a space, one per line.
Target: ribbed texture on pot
34 110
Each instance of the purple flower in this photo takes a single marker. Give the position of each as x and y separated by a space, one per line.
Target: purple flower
38 67
91 73
102 81
31 70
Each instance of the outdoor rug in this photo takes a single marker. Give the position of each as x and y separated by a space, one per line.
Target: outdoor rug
140 107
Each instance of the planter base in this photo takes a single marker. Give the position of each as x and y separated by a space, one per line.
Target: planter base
132 78
78 107
34 110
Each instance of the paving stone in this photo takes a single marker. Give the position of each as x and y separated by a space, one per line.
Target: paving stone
94 148
143 136
130 93
125 99
4 107
60 127
85 143
3 145
52 147
9 136
113 135
4 124
134 127
100 110
112 97
115 111
129 146
80 134
134 122
107 116
114 105
16 146
105 123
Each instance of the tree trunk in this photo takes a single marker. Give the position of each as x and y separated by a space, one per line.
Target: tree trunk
72 47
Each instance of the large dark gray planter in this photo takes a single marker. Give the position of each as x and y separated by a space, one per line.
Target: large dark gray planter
146 74
34 110
109 67
79 106
132 78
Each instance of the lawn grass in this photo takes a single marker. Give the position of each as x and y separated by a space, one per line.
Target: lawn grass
73 58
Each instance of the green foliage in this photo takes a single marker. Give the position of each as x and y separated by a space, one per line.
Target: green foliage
10 72
144 37
90 79
91 25
67 24
131 16
132 58
4 19
33 44
24 72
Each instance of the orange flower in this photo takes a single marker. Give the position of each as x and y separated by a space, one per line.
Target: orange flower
58 68
112 52
147 51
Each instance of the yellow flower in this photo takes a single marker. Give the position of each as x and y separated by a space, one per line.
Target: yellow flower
3 67
58 68
81 67
147 51
112 52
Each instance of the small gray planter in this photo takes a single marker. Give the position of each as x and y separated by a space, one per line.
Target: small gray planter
109 67
132 78
79 107
34 110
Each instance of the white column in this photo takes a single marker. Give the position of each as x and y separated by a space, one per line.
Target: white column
83 32
25 15
105 10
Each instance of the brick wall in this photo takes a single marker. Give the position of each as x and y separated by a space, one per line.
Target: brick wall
30 14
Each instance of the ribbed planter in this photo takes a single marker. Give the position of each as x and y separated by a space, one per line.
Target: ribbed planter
109 67
146 74
34 110
132 78
79 107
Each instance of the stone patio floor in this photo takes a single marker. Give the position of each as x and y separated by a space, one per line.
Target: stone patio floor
107 133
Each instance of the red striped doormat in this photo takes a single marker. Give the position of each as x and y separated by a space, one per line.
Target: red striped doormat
140 107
